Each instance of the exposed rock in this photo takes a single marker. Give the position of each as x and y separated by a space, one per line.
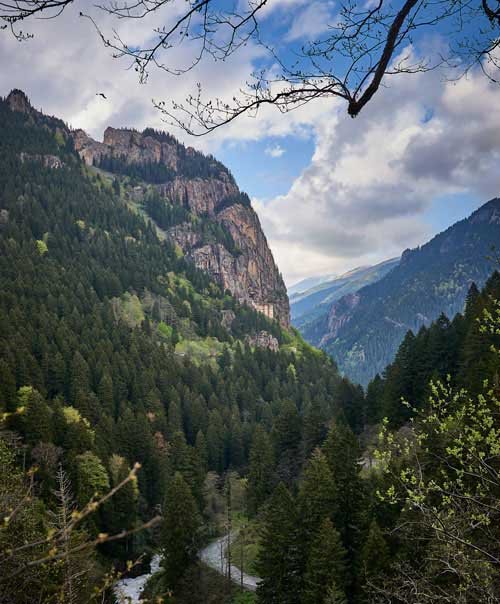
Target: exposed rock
49 161
139 148
228 317
4 216
200 195
250 274
87 147
18 101
207 189
340 314
263 340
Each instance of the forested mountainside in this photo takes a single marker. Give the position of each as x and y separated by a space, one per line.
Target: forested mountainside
363 330
114 350
310 305
207 215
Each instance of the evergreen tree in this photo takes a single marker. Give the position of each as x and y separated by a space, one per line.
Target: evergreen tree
278 563
180 531
375 554
314 427
325 564
317 498
261 470
342 452
335 595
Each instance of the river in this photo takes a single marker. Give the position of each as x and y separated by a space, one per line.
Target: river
128 591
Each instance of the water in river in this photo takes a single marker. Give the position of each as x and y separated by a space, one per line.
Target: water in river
128 591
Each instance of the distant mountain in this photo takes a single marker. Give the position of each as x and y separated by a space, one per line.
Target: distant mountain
309 306
306 284
363 329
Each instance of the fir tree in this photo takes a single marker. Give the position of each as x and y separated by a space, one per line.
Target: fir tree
342 452
317 498
260 473
278 563
325 564
375 554
180 531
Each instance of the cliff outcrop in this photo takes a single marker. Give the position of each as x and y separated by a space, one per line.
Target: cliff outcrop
207 190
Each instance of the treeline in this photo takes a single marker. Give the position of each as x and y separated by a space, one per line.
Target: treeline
189 164
459 348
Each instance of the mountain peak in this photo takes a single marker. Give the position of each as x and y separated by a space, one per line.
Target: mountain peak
489 213
18 101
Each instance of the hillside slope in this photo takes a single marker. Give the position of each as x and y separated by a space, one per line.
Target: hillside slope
212 220
310 305
115 349
363 330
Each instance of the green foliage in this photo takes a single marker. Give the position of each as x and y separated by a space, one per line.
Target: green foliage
260 474
113 351
325 565
41 246
461 348
244 598
92 478
341 449
445 476
180 538
375 554
22 522
278 563
317 496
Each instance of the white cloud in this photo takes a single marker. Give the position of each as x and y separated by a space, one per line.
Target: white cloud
371 180
311 21
364 196
275 151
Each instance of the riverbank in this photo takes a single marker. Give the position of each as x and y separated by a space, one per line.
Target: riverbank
128 590
214 555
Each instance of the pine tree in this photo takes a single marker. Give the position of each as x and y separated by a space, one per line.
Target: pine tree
314 427
335 594
181 523
260 474
278 563
342 452
317 498
325 564
201 449
287 437
375 556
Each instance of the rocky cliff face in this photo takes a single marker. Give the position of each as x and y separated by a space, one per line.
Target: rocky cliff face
250 272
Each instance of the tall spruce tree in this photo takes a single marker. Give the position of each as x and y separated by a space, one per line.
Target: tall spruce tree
180 531
261 470
317 498
325 564
375 557
278 563
342 451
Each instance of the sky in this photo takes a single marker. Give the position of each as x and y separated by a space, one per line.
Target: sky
332 193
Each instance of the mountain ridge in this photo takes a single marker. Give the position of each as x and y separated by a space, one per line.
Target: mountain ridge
219 231
362 331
